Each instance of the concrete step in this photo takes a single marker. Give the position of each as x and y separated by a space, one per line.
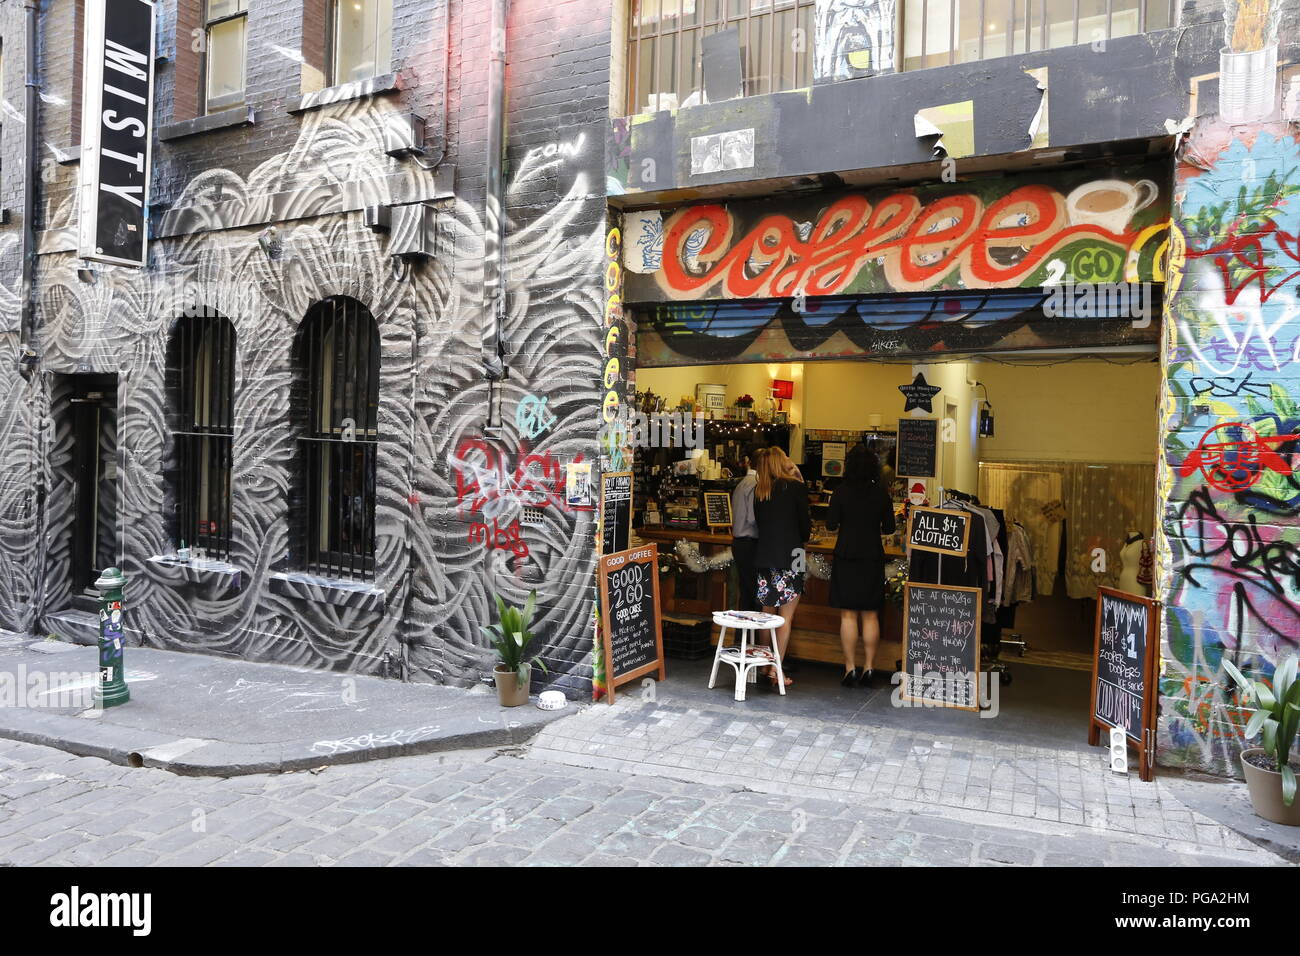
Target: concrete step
85 602
74 625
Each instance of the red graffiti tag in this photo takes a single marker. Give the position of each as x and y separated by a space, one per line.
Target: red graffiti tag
991 246
1245 256
1235 460
502 539
485 482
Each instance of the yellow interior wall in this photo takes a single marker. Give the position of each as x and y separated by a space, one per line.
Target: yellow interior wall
755 380
1085 410
1075 411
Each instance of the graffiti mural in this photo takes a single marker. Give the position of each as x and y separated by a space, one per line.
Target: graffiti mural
461 514
854 38
1230 564
1069 227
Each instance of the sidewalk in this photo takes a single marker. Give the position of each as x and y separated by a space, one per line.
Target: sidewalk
1030 769
198 715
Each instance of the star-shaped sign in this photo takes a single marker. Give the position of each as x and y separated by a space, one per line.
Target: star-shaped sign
919 394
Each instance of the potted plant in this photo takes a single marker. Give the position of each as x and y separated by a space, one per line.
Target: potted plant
511 637
1269 773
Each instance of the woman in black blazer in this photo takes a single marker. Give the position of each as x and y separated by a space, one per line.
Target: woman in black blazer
784 524
862 511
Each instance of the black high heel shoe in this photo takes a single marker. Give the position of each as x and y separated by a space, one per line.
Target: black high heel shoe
851 678
867 678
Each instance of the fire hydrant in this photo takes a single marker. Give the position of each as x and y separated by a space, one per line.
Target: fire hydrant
112 689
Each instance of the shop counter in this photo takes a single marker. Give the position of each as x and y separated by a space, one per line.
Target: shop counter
816 634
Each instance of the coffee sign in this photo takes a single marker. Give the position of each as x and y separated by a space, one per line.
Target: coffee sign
629 615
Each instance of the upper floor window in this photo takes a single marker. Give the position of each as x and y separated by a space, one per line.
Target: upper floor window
362 32
942 32
225 25
338 360
202 363
664 46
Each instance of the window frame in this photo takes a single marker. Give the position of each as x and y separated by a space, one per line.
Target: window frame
204 352
229 101
323 515
803 65
1033 32
332 77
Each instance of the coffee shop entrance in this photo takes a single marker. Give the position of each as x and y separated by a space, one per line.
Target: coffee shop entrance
1015 321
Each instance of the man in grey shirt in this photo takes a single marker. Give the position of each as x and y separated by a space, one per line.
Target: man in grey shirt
744 531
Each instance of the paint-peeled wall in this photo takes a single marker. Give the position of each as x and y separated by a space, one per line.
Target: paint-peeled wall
1230 557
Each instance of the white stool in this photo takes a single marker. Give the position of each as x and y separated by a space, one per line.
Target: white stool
746 656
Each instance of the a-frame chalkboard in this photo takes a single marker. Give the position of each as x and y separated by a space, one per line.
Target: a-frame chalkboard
1126 640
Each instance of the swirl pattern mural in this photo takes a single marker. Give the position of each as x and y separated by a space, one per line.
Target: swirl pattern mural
433 585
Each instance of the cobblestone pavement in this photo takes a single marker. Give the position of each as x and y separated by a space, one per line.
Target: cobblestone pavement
485 808
1005 783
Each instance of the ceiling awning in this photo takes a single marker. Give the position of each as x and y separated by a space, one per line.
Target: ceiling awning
896 326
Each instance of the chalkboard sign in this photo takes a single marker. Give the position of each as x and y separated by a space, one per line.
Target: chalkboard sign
629 613
941 646
1123 665
615 511
943 532
717 509
918 444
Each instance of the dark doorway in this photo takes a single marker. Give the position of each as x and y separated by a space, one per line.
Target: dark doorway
92 414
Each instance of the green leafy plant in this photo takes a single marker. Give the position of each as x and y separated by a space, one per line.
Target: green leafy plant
512 636
1276 716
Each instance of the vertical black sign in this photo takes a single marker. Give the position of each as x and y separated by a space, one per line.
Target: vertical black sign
615 510
116 130
918 444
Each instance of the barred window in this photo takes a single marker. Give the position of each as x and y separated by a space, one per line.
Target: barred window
203 377
942 32
664 68
225 24
338 356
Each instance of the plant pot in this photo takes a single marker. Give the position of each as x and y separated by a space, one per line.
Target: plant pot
510 691
1266 792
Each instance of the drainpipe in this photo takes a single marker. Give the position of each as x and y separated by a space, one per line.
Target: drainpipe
494 265
30 121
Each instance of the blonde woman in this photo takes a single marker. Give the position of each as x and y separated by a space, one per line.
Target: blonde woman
784 525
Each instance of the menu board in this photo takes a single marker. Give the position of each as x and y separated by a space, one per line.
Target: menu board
629 614
615 511
918 445
941 646
1123 692
717 509
944 532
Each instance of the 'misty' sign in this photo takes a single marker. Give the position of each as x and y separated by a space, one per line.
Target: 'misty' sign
115 131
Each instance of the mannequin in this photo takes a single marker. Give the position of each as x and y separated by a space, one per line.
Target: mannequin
1130 557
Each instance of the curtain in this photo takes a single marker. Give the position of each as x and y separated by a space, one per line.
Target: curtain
1102 503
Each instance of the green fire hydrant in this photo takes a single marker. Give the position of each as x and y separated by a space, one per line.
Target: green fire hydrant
112 689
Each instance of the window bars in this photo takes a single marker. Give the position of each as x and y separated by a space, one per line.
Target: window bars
339 362
204 395
663 50
944 32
